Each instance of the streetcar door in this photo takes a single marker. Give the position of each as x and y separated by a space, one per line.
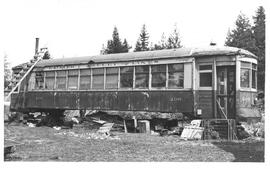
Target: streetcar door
226 92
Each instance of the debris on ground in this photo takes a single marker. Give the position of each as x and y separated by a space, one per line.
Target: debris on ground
247 131
254 129
31 125
105 128
57 128
193 131
241 132
8 150
89 135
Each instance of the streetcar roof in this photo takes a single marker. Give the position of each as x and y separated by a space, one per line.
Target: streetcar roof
147 55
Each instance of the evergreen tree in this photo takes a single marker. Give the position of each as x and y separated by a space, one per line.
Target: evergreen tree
161 44
125 46
115 45
241 36
174 40
259 35
138 46
7 71
252 39
46 55
142 43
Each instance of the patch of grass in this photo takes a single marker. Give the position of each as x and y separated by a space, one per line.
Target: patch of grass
44 144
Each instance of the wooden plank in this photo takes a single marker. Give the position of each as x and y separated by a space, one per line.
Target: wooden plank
125 126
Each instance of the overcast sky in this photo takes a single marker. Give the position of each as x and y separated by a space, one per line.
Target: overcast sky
71 28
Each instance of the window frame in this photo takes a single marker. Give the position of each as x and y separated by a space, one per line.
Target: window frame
205 71
103 75
250 69
46 79
158 72
125 73
43 77
62 77
112 74
256 75
168 76
148 74
85 75
72 75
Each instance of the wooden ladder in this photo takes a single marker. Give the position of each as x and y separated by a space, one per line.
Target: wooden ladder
18 78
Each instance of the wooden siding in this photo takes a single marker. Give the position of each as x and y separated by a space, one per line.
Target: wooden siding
158 101
204 99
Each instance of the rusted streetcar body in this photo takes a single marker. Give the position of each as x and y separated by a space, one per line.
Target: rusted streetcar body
203 83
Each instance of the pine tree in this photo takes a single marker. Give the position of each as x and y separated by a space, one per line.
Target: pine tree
142 43
174 40
252 39
115 45
138 46
161 44
125 46
259 35
7 71
242 35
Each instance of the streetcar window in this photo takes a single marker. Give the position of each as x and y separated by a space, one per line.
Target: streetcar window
126 77
39 80
205 72
176 75
85 79
98 78
248 75
141 76
158 76
73 79
254 76
50 78
244 78
61 79
111 78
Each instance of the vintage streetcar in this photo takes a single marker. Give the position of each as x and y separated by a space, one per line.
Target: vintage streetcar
195 83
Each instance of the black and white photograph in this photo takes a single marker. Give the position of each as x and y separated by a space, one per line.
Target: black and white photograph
133 81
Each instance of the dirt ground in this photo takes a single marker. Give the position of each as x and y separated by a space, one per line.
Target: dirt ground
48 144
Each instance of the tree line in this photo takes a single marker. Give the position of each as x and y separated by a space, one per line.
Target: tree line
252 38
115 45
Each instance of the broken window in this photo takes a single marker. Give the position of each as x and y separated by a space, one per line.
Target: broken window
142 76
50 79
61 79
73 79
158 76
126 77
111 78
176 75
85 79
39 80
98 78
205 72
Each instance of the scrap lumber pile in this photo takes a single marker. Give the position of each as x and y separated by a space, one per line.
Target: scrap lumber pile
193 131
